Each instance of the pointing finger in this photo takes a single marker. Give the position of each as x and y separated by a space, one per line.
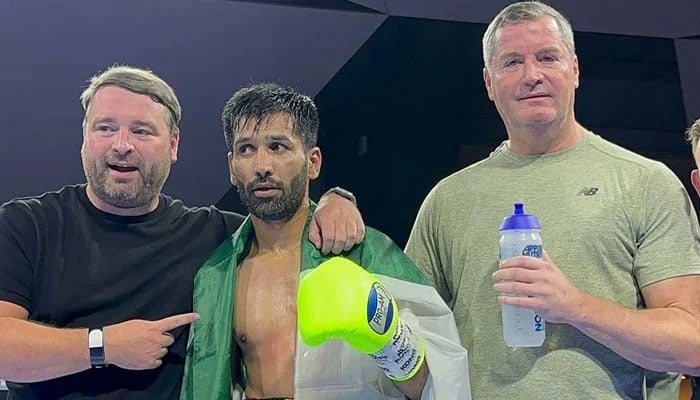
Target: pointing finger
176 321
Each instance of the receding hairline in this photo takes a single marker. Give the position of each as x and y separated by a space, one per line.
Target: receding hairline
524 11
167 113
552 23
140 81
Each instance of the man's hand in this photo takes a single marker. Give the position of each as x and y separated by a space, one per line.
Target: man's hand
337 225
140 344
549 293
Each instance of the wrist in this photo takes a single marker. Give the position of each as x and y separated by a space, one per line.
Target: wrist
585 312
403 356
342 193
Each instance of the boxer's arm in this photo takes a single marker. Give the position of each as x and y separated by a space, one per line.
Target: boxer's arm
413 388
341 300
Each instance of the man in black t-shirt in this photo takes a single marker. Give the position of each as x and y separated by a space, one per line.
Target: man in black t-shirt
96 279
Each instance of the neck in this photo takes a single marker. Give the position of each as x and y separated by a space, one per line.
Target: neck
280 236
543 139
126 212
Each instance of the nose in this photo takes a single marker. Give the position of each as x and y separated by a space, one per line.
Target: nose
122 142
263 164
532 73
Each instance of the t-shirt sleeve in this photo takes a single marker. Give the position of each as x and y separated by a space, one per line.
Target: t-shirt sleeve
422 246
18 247
232 221
668 237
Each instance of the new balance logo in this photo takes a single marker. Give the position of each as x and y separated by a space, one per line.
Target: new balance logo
586 191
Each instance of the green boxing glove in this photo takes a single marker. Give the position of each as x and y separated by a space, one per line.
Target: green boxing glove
341 300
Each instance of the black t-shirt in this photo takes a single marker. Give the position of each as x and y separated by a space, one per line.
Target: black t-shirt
71 265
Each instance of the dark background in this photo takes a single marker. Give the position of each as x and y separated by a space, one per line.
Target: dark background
398 84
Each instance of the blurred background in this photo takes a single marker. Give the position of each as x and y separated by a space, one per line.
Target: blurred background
398 84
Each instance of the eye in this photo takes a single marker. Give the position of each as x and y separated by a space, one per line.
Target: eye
511 63
104 128
277 146
141 132
549 58
244 149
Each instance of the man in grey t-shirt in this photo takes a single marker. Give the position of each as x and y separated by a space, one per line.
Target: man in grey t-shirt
694 138
618 285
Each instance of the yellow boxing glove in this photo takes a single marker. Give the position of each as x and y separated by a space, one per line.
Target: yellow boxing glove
341 300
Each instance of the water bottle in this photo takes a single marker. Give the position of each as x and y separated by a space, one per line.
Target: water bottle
520 236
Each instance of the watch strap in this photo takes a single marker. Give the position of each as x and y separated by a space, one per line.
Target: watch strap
343 193
96 347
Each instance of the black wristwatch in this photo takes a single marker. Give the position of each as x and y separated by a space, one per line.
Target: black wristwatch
342 192
97 347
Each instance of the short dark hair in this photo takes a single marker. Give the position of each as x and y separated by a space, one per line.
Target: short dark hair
260 101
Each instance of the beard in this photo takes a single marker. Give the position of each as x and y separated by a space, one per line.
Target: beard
135 192
278 208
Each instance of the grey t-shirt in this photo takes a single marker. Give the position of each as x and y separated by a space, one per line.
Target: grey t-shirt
612 221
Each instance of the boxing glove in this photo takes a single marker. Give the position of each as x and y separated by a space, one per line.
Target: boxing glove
341 300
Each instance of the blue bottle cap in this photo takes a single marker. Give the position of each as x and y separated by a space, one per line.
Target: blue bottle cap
519 220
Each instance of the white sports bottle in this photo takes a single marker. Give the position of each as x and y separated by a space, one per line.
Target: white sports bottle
520 236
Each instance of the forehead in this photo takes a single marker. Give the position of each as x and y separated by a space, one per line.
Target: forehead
115 102
528 35
277 124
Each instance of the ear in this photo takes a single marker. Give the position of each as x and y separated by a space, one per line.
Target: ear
84 128
174 146
695 180
487 83
576 71
231 174
315 161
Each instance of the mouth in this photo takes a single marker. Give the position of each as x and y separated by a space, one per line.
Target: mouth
535 96
122 168
265 190
265 186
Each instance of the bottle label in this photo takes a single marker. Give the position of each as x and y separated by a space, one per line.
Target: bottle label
533 250
539 323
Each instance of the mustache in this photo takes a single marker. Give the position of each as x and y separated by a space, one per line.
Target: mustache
264 182
122 159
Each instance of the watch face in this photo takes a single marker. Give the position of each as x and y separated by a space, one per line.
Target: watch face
96 346
95 338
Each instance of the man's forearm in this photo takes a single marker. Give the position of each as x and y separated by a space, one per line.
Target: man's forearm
659 339
35 352
413 388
